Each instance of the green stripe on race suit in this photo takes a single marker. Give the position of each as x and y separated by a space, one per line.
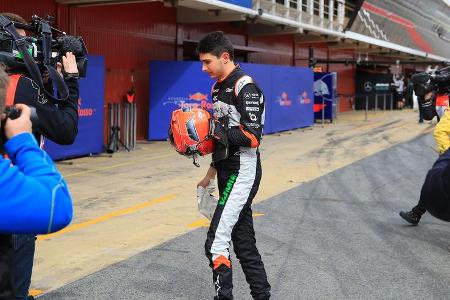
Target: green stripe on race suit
226 193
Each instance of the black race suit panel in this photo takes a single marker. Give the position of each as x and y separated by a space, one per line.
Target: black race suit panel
239 105
59 123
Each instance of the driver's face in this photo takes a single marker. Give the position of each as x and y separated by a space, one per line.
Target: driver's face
211 64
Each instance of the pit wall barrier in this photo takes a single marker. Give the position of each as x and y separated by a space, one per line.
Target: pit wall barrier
288 94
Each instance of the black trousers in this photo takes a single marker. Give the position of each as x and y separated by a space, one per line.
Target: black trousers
6 268
233 221
435 193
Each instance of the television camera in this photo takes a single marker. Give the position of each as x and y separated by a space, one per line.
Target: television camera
436 80
40 52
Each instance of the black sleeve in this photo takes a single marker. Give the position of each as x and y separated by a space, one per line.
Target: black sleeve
57 122
250 105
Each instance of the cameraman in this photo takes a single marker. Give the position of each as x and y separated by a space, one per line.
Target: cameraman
435 190
56 121
35 198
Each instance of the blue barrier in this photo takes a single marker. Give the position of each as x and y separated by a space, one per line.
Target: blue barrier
90 110
173 85
288 94
290 104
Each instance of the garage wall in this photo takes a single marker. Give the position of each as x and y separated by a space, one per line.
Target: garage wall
130 35
27 8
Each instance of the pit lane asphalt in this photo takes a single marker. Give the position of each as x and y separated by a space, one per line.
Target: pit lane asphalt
335 237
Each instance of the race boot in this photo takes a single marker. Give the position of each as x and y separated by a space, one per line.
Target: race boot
223 279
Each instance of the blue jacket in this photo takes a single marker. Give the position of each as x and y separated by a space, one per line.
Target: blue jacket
34 197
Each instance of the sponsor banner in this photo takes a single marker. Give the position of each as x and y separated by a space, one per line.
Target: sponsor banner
368 86
175 85
243 3
372 83
90 110
324 95
288 94
291 101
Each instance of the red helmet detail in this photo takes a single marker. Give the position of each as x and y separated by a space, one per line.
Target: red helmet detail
189 131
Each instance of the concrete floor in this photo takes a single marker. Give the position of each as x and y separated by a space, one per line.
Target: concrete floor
336 237
136 201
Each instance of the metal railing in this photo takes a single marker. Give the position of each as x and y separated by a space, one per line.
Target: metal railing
327 14
374 102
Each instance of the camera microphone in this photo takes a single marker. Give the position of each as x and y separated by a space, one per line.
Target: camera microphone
69 43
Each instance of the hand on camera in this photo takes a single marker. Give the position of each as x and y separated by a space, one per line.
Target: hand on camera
69 65
20 125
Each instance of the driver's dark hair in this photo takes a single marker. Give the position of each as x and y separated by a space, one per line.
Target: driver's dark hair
216 43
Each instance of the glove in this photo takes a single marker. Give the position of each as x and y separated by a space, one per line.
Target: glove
221 144
206 201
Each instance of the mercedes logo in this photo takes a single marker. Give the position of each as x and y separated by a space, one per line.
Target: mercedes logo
368 86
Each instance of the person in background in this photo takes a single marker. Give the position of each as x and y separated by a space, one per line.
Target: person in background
437 182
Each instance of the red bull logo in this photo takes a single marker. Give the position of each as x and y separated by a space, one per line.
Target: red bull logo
84 112
318 107
304 99
284 100
198 97
196 100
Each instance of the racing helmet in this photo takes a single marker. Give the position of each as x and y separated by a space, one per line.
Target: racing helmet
190 131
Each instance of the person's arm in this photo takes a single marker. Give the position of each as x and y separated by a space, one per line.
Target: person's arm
210 174
441 133
250 105
34 196
59 122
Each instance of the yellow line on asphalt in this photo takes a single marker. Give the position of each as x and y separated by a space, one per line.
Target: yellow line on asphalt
114 214
35 292
206 222
118 165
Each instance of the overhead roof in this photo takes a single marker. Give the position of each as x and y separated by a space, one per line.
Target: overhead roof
416 24
399 29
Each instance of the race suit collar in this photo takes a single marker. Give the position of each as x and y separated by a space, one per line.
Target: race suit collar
236 67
